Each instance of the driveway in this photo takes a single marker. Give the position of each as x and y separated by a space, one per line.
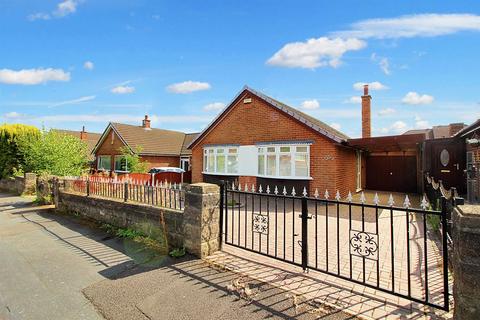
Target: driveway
54 267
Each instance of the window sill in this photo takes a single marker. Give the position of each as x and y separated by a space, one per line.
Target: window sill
220 174
285 178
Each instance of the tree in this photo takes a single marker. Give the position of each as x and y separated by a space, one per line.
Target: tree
132 159
54 153
11 158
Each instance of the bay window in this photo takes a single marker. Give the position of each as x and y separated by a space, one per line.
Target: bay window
104 163
220 160
284 161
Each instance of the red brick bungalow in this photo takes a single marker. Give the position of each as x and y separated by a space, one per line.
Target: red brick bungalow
259 140
158 147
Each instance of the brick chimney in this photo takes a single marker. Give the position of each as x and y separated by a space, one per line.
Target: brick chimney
146 122
366 113
83 134
455 127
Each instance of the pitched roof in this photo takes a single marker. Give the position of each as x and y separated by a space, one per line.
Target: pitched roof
151 141
469 129
186 142
91 141
308 120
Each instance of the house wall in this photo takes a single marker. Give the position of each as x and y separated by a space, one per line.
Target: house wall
112 145
332 166
161 161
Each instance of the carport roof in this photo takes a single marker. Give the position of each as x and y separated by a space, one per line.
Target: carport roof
388 143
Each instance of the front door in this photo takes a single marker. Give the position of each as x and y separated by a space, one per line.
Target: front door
448 163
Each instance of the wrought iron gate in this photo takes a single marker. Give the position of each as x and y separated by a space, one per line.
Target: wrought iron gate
391 248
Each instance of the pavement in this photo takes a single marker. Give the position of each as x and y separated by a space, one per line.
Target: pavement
55 266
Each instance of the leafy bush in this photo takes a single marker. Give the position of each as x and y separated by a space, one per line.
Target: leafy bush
54 153
177 252
134 164
11 157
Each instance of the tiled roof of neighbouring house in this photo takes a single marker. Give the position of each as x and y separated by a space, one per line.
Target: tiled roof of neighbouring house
308 120
189 137
151 141
91 140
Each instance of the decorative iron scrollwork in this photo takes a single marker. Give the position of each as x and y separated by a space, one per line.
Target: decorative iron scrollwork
260 223
364 244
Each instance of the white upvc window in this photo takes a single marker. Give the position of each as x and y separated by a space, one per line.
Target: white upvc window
104 163
284 161
220 160
121 164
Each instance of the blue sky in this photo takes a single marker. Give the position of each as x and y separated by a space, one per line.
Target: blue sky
69 63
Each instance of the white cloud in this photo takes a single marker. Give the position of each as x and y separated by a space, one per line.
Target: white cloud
415 98
32 76
215 106
12 115
383 63
310 104
409 26
188 87
354 100
74 101
371 86
335 126
420 123
123 89
386 112
38 16
65 8
105 118
315 53
399 126
88 65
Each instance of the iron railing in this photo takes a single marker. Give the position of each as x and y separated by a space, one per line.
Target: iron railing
381 246
160 194
435 192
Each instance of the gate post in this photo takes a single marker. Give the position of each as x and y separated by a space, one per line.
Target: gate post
445 253
201 219
466 262
222 204
304 234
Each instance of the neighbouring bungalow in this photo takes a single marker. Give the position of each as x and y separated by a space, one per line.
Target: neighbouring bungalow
471 136
257 140
157 147
90 138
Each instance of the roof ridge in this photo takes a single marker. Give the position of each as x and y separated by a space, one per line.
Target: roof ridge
131 125
293 109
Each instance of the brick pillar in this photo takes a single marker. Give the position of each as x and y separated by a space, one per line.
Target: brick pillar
201 224
366 114
466 262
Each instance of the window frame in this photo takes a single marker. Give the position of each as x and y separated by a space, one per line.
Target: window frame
270 149
211 152
99 157
115 164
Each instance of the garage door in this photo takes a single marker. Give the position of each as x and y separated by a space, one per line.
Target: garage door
392 173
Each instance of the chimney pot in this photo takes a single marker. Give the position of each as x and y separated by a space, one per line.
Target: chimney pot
146 122
83 134
365 89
